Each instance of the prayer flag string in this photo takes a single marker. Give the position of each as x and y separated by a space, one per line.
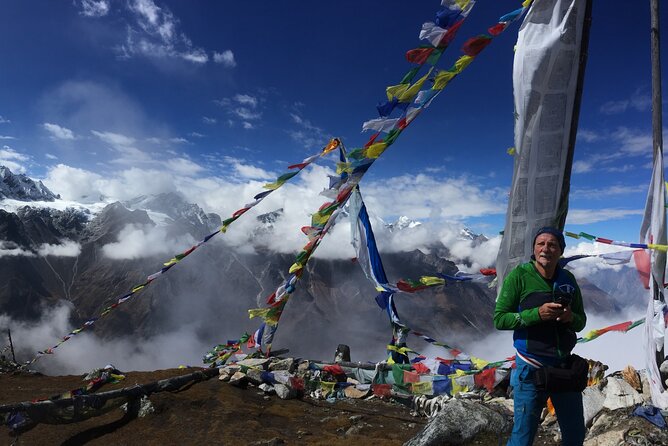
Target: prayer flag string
295 169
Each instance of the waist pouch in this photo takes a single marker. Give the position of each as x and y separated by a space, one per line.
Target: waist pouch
571 378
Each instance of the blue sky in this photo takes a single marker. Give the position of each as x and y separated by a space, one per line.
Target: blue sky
213 98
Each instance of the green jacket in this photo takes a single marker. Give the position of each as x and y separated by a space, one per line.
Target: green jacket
524 291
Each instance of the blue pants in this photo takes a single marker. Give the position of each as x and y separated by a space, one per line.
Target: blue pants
530 402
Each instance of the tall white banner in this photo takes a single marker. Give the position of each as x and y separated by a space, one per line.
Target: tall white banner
547 76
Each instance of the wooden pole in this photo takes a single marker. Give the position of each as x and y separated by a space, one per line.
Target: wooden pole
657 122
11 344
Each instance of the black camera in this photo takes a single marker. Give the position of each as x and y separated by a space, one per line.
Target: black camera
562 299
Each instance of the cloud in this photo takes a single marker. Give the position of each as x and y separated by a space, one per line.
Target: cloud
114 139
247 171
10 249
208 120
241 107
639 101
583 166
142 241
125 146
86 351
13 160
307 134
67 248
588 135
88 187
183 166
50 156
226 58
93 8
196 135
6 137
613 190
588 216
58 132
633 142
155 34
4 120
424 196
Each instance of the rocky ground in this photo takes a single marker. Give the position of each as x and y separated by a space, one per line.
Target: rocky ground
217 412
212 412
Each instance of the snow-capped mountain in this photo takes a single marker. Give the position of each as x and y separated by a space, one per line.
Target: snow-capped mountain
21 187
403 222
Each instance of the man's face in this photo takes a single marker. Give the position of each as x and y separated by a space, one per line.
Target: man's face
547 250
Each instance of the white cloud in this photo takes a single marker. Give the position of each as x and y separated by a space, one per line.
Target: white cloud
633 142
86 351
67 248
226 58
639 101
242 107
114 139
308 135
141 241
156 35
588 216
58 132
582 166
50 156
247 171
246 99
4 120
588 135
196 56
94 8
613 190
9 249
208 120
6 137
196 135
423 196
13 160
183 166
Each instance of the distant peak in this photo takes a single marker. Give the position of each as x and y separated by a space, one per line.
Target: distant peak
23 188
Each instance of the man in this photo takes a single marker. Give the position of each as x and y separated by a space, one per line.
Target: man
542 303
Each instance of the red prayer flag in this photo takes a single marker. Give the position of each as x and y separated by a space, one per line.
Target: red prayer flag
485 379
488 271
419 55
475 45
450 34
411 377
334 369
382 390
641 259
497 29
420 368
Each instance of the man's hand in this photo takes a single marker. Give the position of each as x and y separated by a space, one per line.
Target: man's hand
551 311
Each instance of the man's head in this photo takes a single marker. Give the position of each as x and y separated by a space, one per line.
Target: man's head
548 246
556 233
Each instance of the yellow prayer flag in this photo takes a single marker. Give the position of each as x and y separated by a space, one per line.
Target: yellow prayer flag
422 388
411 92
511 151
375 150
327 387
462 63
295 267
479 363
396 90
442 78
431 281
